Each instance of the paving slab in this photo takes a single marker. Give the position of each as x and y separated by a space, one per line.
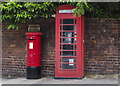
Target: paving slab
51 80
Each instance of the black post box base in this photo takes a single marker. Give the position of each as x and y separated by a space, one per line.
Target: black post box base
33 72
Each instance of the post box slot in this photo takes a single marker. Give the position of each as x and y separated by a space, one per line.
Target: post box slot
31 39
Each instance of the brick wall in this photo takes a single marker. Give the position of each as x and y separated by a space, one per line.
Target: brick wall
14 51
102 45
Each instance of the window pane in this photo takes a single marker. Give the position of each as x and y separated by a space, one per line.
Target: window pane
67 53
60 59
67 47
67 40
60 66
60 21
68 21
75 53
75 60
60 34
67 66
68 27
68 34
68 60
75 40
75 34
75 47
60 27
60 40
60 53
75 27
75 66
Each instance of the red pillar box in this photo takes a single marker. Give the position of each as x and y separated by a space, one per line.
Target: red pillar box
69 48
33 55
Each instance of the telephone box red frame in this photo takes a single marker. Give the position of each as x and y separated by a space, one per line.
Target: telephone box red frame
79 71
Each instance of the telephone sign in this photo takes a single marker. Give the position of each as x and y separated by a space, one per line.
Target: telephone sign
66 11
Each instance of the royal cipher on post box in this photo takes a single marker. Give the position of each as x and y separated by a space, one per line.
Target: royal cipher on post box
69 44
33 55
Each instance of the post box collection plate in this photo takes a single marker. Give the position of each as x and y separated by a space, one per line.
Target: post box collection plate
31 45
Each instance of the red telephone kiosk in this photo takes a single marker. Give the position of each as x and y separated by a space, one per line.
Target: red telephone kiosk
69 48
33 55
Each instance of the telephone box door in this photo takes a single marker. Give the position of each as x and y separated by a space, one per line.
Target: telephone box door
69 50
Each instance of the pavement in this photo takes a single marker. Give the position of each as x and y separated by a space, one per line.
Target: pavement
51 80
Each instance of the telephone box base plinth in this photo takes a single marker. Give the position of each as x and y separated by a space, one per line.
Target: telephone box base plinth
33 72
66 78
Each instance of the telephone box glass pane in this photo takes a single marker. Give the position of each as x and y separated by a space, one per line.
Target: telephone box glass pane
67 53
60 34
75 40
60 59
60 40
60 21
60 53
68 27
60 66
75 34
67 66
75 28
67 47
75 60
75 21
68 34
68 21
75 66
68 40
68 60
60 27
60 47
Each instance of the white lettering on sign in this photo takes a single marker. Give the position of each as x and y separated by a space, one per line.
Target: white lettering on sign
31 45
70 61
66 11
